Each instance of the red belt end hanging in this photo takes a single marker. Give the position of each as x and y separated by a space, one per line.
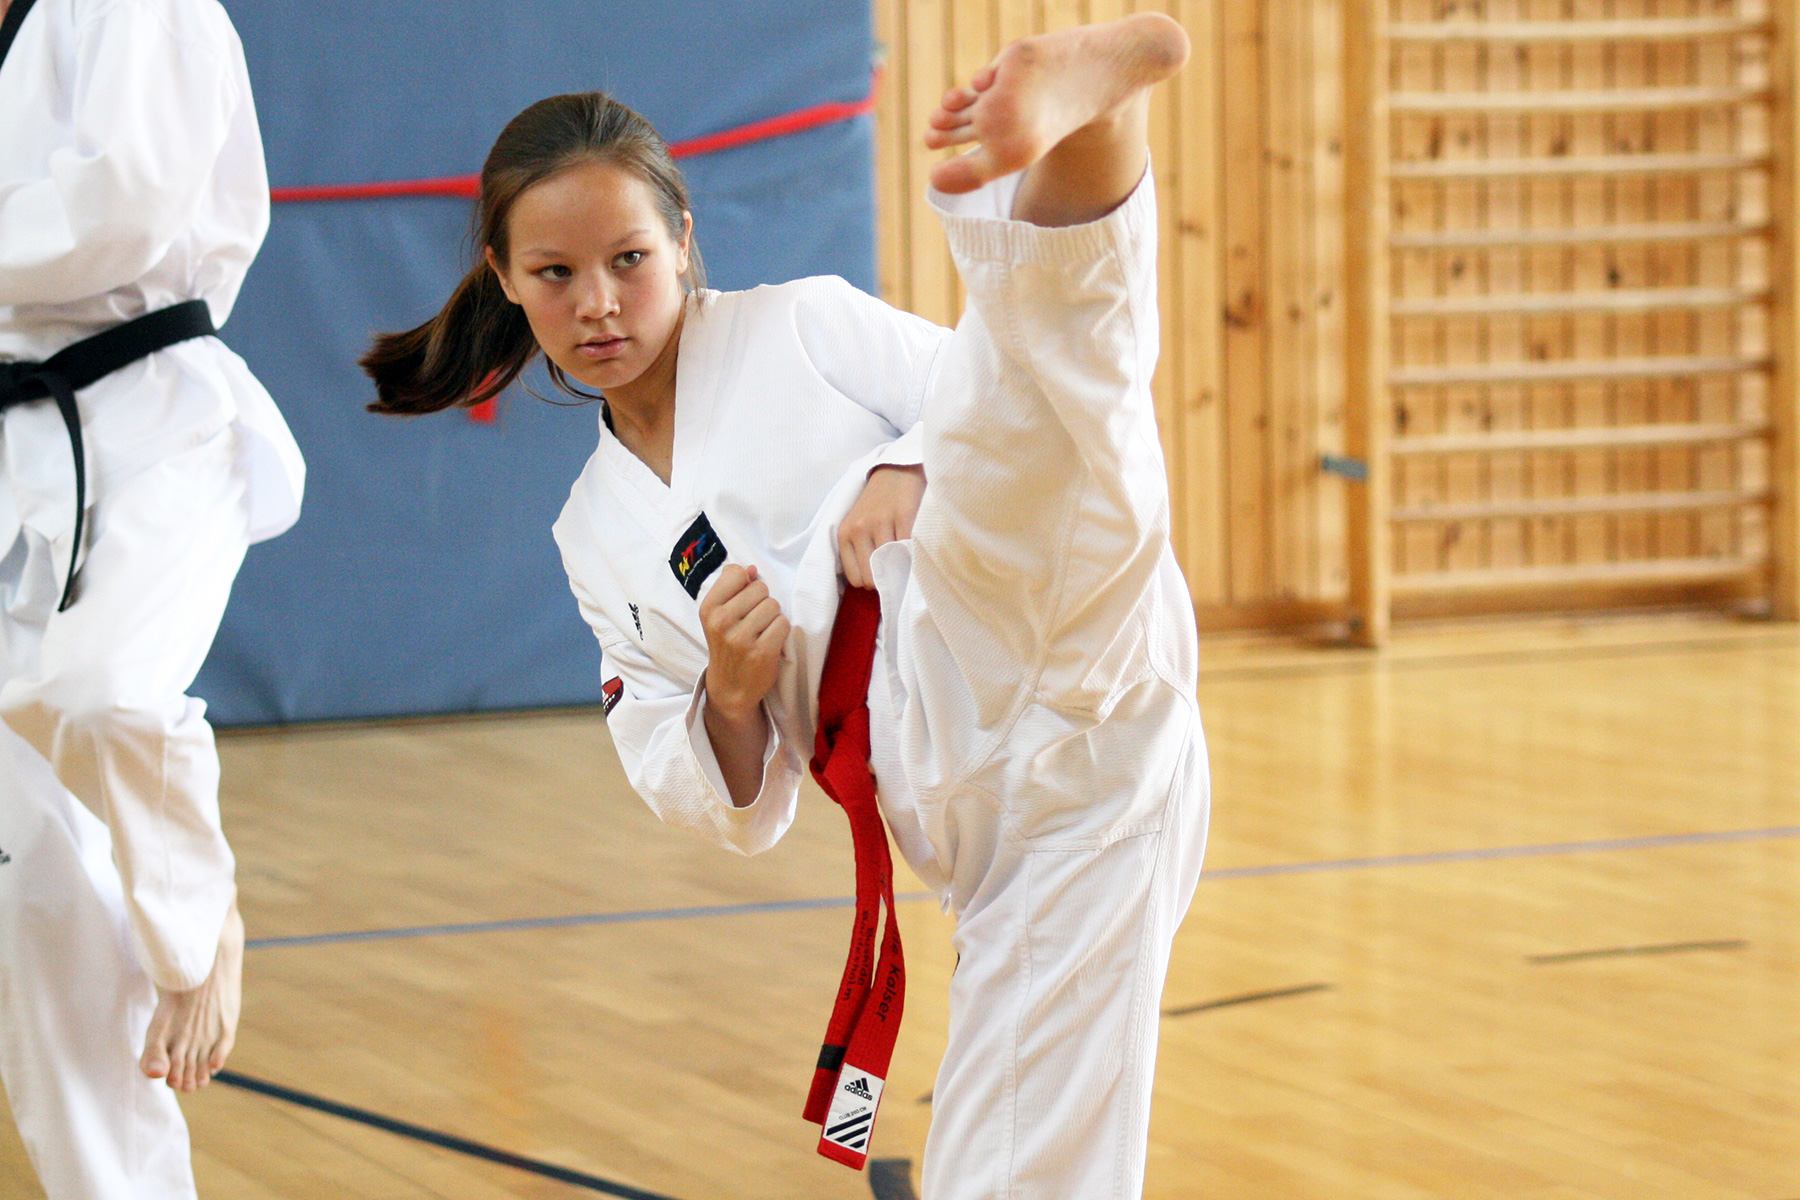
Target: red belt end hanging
859 1040
818 1100
851 1118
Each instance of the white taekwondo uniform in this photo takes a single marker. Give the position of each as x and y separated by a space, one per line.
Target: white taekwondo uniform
1036 736
131 179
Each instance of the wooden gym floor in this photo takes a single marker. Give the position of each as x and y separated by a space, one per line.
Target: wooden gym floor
1507 911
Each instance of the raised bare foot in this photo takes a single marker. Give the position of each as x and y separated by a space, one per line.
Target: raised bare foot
1042 89
192 1032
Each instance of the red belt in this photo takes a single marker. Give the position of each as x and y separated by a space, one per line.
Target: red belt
859 1041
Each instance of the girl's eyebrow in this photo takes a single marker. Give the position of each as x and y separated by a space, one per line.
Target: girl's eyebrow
629 236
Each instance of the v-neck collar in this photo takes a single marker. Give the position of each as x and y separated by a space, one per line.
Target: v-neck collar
693 424
9 28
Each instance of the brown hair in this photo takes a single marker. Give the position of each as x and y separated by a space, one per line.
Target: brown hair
480 341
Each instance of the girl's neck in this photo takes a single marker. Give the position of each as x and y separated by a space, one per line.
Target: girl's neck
643 411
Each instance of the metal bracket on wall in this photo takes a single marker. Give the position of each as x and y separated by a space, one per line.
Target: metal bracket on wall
1354 469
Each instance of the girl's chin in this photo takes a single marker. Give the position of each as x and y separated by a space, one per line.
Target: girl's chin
601 376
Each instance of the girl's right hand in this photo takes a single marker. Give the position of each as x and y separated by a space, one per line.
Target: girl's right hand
745 635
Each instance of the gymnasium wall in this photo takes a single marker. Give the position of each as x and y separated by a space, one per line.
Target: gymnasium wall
422 577
1434 341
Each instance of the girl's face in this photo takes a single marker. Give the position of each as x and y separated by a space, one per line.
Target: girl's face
598 276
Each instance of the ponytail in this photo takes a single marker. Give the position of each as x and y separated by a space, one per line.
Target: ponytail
466 354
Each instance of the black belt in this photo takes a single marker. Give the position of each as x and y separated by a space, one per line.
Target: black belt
74 367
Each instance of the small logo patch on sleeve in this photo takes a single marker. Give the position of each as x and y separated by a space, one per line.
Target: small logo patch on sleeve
697 554
610 691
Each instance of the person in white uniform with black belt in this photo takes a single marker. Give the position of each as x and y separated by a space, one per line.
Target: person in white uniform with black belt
138 459
1036 736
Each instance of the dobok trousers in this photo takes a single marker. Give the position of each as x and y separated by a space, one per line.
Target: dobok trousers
97 732
1034 704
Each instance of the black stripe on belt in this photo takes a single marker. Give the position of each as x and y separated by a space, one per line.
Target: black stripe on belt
9 28
74 367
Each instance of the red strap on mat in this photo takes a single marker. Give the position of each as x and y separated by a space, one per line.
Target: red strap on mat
859 1040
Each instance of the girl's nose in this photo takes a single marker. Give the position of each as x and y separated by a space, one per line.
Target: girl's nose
597 301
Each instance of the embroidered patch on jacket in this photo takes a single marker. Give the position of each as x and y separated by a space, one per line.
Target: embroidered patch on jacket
636 620
610 691
698 553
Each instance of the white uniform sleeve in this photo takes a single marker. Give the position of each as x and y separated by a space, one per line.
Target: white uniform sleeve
907 450
658 727
875 354
152 111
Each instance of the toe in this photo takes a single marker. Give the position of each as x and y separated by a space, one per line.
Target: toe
155 1062
957 99
965 172
945 118
940 139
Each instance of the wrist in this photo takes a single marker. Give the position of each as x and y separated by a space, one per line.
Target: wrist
733 712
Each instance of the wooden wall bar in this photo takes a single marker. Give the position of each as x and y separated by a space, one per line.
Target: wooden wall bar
1785 326
1301 345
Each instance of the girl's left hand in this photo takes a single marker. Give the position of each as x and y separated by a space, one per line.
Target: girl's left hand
883 513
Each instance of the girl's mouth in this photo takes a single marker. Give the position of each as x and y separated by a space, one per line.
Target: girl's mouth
601 348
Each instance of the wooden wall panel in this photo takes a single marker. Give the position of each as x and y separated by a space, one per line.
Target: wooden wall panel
1269 157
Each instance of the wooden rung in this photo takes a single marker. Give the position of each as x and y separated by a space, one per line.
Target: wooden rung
1597 164
1667 367
1667 570
1609 100
1620 301
1564 506
1600 437
1689 231
1639 30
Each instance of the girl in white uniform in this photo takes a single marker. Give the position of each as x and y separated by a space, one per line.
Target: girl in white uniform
131 179
1037 742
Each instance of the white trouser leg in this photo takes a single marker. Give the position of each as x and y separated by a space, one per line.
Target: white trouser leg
74 1002
98 692
97 732
1046 652
1047 512
1044 1090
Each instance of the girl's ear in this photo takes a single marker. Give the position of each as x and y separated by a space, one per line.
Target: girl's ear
687 240
493 263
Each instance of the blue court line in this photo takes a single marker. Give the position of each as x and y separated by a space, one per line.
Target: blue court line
1491 853
634 916
628 917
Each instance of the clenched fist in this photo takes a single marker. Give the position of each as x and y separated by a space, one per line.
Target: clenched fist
745 633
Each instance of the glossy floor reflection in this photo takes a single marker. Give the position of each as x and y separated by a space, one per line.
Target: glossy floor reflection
1503 911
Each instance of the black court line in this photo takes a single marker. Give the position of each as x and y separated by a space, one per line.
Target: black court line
891 1179
1430 858
1246 998
581 1179
1627 951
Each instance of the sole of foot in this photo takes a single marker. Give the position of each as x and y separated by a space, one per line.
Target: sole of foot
1042 90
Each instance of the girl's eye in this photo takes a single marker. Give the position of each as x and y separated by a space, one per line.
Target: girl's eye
630 258
555 272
